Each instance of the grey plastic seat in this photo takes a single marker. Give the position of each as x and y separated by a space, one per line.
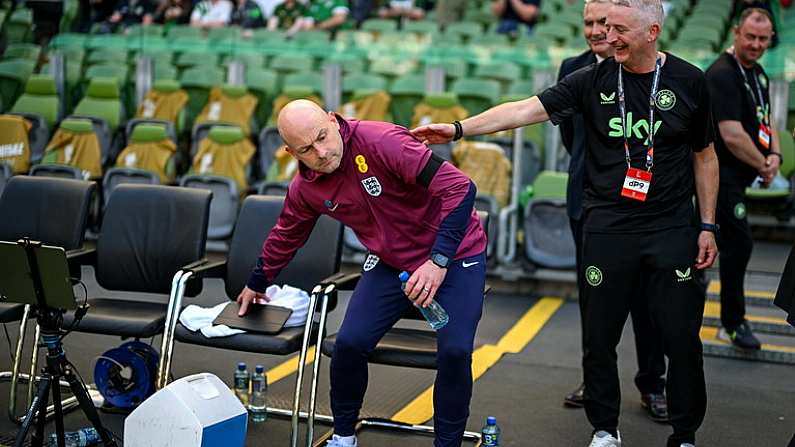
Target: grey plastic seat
117 176
59 171
224 205
5 176
548 239
269 141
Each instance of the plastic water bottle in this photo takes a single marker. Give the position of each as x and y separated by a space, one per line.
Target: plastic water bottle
242 382
490 435
435 314
259 391
80 438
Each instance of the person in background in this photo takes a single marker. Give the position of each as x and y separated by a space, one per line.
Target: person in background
516 16
211 14
401 8
173 11
325 15
651 360
748 147
248 15
287 16
129 13
640 241
449 11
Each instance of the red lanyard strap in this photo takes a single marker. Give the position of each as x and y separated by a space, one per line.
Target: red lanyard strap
623 109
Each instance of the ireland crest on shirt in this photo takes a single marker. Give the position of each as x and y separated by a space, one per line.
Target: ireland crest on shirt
372 186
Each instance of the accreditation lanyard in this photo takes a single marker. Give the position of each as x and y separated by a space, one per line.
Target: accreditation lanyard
759 104
637 182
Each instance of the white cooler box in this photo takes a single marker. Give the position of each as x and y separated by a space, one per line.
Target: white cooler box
198 410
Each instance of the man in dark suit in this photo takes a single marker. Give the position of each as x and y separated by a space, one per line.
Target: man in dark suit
651 361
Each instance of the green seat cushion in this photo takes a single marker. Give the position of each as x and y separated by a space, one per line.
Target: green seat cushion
550 184
105 88
147 133
441 100
77 125
40 84
226 134
166 85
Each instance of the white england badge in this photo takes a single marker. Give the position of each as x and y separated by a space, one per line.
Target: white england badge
370 262
372 186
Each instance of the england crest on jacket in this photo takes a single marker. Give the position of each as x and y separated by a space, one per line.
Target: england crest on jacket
372 186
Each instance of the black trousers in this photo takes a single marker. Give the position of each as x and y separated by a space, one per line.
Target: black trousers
735 245
650 377
657 267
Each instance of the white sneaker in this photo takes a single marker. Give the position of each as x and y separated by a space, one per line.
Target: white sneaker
686 444
339 441
605 439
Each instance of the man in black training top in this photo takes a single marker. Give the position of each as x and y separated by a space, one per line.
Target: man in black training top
747 146
651 361
649 148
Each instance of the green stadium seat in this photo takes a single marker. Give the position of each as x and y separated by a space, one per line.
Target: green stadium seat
420 27
453 68
379 25
27 51
196 59
392 68
111 56
361 81
164 72
102 100
504 72
304 79
252 60
476 95
303 37
182 31
145 31
350 63
223 33
107 41
68 40
13 76
197 82
18 26
406 91
468 31
263 84
40 97
290 63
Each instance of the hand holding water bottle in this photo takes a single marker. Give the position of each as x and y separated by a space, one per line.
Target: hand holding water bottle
434 313
423 284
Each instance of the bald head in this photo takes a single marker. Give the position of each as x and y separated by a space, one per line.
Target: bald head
311 134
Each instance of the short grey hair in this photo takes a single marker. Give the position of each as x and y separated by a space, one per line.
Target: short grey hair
651 10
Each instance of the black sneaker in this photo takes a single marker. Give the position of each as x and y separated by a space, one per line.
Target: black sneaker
656 406
743 337
575 399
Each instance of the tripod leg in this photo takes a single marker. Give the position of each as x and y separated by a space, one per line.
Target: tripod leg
56 401
87 405
38 406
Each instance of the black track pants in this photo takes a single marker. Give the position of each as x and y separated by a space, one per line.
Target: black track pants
735 245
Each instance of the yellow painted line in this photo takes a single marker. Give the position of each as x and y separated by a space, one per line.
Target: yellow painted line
289 366
710 335
712 310
714 289
514 341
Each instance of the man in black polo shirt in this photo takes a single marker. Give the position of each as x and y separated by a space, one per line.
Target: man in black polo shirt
649 149
651 361
747 147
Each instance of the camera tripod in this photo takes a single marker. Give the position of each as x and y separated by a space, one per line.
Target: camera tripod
50 321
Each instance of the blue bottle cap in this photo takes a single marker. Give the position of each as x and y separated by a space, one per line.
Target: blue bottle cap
259 369
241 366
404 276
491 420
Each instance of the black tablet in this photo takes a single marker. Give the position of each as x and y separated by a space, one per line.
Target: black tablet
260 318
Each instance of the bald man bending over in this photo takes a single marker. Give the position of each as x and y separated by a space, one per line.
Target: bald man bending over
414 212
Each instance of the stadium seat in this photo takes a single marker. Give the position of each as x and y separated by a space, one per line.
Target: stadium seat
548 240
262 84
309 270
18 26
284 64
420 27
269 141
224 205
149 233
357 81
504 72
103 100
5 176
27 51
184 31
304 79
197 82
196 59
106 56
41 98
150 156
117 176
13 76
476 95
406 91
469 31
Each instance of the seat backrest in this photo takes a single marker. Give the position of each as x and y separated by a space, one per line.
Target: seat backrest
102 100
149 232
30 206
40 97
316 260
224 205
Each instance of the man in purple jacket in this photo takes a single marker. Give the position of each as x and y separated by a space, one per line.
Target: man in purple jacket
413 212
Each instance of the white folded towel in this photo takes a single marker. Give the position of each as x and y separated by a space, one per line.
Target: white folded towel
197 318
292 298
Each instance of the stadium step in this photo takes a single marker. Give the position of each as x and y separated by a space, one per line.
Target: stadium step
767 320
760 294
775 349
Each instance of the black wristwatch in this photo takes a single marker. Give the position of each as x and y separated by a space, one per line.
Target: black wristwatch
440 260
713 228
777 154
